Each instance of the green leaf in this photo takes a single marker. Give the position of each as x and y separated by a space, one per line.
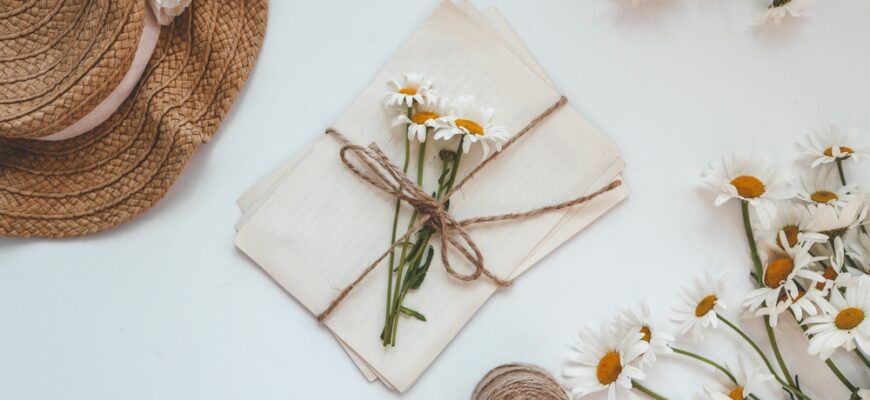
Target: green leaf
443 176
412 313
414 250
420 272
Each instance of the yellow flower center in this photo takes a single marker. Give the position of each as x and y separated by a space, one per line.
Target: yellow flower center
470 126
843 149
785 296
791 235
423 116
848 318
748 186
778 271
705 305
609 368
408 91
829 275
824 196
647 333
736 394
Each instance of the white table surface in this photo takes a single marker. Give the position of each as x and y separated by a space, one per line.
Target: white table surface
164 307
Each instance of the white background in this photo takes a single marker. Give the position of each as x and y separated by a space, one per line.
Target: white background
165 308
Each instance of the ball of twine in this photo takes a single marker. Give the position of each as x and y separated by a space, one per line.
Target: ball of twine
518 382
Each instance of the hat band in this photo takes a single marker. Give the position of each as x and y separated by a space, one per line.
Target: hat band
102 112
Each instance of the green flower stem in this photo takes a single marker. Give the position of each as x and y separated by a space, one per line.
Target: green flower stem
862 357
393 309
421 160
394 231
840 170
711 363
647 391
453 171
840 376
759 276
705 360
750 237
423 239
786 385
771 336
833 367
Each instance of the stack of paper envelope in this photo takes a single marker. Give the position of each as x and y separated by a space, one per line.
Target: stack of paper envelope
314 226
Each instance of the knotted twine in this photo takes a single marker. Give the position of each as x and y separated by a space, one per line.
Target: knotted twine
518 382
390 179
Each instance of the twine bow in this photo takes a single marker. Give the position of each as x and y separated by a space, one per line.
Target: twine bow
389 178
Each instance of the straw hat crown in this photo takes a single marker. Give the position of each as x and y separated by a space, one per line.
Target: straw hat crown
60 59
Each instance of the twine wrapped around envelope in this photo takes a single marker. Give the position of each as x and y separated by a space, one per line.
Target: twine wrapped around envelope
389 178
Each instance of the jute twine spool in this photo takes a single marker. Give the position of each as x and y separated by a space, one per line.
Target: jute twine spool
518 382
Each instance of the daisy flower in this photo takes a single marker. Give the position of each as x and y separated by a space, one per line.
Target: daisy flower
844 323
429 115
415 89
603 361
836 221
699 305
859 250
639 320
749 178
749 380
807 302
834 272
831 145
474 124
822 186
779 9
782 268
791 219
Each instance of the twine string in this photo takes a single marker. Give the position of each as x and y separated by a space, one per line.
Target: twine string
382 174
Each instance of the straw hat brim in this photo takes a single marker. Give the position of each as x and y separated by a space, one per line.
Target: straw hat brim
124 166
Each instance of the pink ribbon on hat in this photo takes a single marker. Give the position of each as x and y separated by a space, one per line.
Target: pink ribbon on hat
154 17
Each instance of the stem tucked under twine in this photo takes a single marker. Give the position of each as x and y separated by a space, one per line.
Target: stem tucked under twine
389 178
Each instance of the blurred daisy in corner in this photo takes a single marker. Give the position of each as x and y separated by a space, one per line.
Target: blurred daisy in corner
822 186
633 320
844 322
603 361
792 219
699 306
748 379
750 178
474 124
416 88
830 145
430 115
779 9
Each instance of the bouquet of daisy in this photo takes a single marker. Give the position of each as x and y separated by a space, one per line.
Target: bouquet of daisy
810 259
422 112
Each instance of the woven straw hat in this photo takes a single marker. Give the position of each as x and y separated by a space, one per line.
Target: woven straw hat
60 59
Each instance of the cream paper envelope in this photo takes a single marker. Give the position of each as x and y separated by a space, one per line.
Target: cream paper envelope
314 233
249 202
